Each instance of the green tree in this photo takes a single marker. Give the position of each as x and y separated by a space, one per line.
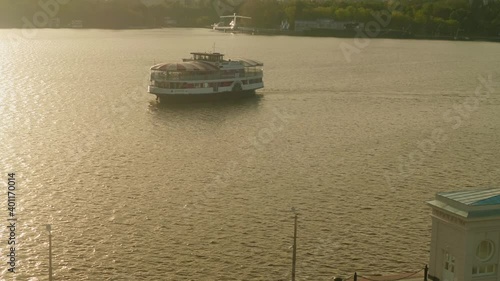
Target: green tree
264 14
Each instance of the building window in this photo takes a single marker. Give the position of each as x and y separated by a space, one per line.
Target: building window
485 250
484 269
449 262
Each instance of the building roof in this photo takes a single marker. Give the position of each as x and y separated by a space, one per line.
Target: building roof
475 197
470 204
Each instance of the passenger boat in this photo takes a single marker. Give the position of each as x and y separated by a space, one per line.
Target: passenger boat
205 75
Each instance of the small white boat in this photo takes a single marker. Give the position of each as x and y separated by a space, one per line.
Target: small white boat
233 27
206 75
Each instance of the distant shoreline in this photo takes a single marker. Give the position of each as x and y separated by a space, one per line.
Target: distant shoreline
384 34
388 34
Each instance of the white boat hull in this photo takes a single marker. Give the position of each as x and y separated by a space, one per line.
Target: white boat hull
233 88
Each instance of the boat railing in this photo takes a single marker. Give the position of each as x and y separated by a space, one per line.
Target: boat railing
193 77
254 73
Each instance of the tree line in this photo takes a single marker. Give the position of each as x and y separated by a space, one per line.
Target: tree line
424 17
421 17
112 14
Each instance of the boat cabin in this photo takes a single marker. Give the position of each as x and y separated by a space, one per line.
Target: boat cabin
206 70
205 74
213 57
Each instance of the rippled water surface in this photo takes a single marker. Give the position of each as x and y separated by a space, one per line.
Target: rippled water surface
135 190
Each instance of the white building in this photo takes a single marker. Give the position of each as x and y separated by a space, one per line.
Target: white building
76 24
330 24
465 240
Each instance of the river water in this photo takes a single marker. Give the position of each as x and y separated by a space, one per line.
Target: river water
355 136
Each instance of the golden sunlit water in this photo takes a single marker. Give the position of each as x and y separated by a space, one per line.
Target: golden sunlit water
135 190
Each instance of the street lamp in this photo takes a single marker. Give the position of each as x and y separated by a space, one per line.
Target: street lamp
294 255
49 228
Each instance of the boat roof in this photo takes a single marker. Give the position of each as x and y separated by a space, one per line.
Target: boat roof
186 66
201 64
207 54
249 62
245 62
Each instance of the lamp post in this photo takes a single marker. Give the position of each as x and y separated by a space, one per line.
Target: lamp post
294 257
49 228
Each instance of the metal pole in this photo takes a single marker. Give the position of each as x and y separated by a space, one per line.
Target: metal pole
426 271
294 258
50 252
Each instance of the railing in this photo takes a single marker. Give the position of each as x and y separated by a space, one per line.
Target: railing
248 74
357 277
